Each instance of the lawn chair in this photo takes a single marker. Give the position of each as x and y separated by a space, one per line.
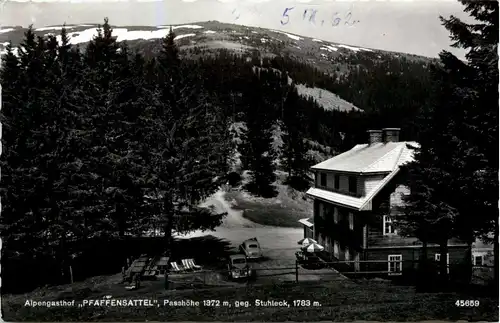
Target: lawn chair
186 265
136 283
193 265
151 269
175 267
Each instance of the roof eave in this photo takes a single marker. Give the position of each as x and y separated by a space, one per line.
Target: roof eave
332 202
385 172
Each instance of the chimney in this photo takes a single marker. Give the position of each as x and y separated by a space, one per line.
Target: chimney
391 134
375 136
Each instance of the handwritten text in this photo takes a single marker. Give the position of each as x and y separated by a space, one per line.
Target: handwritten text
318 17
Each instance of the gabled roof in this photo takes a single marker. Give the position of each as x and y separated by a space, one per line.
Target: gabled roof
356 203
365 159
374 158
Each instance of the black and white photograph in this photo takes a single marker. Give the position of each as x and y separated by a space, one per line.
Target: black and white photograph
249 160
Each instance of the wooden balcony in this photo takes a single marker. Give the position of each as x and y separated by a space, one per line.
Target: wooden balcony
343 192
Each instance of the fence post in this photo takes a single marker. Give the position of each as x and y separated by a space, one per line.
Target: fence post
296 271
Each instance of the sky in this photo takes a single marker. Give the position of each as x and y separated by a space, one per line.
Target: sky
394 25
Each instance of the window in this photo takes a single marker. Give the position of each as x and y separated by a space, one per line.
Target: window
351 221
336 183
388 226
353 184
327 243
395 263
329 210
437 258
341 214
347 254
335 214
322 179
335 249
478 260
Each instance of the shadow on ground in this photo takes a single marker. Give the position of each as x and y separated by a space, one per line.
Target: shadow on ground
206 250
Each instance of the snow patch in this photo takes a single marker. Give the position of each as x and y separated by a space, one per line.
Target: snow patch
263 40
209 32
121 34
184 36
294 37
181 26
355 49
6 30
329 48
317 40
54 28
246 37
254 32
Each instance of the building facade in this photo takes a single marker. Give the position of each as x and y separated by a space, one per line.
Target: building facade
355 194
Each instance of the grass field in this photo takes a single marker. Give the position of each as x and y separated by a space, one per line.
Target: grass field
283 210
336 301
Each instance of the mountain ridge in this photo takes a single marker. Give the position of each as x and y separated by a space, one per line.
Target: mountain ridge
196 39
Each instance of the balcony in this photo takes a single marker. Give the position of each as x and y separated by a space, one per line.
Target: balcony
339 191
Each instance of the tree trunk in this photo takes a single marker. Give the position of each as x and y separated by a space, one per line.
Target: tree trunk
467 273
423 269
443 262
169 213
495 256
119 213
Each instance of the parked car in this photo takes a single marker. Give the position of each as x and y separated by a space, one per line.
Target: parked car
251 248
238 267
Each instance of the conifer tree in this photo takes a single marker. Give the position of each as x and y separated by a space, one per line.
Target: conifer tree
474 94
454 167
295 151
17 220
258 141
191 153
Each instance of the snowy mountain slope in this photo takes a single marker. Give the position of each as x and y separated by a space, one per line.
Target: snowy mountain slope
325 56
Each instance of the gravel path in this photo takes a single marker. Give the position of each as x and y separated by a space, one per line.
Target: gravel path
278 244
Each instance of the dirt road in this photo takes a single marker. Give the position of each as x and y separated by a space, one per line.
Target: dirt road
278 244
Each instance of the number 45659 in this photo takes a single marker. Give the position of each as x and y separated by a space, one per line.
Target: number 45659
467 303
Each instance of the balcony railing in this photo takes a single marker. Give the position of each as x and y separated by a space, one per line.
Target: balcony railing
336 190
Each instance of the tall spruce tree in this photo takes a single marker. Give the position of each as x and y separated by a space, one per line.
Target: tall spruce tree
192 141
294 156
19 226
475 129
426 213
459 133
258 140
